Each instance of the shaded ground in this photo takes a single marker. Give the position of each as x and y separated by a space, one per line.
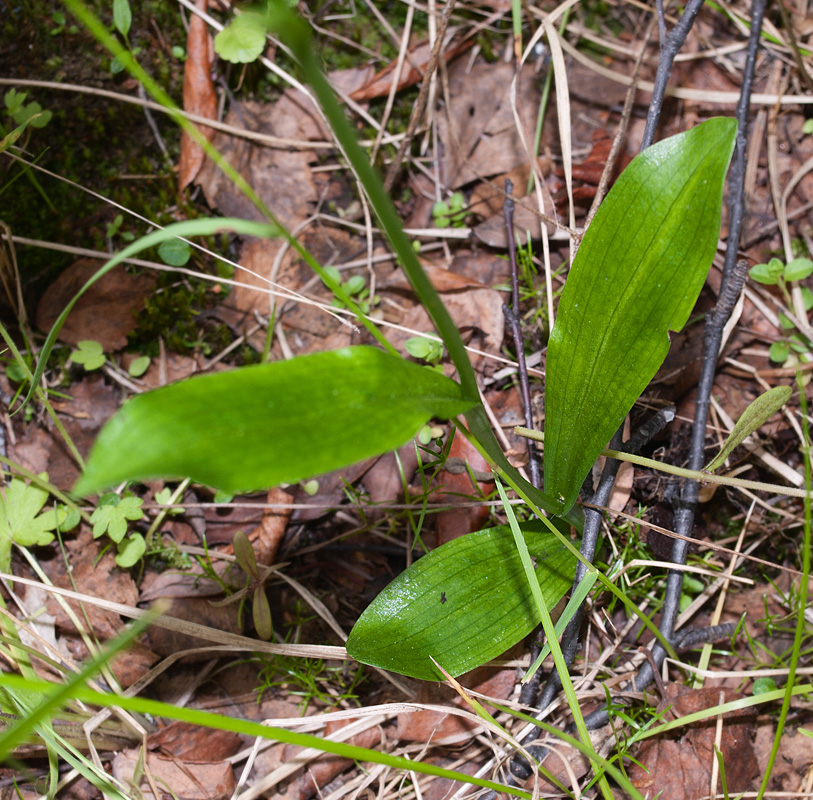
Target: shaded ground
345 537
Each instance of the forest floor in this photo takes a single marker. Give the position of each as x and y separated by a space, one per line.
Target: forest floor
107 167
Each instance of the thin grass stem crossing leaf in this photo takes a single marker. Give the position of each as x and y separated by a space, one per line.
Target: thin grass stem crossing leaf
263 425
462 604
637 275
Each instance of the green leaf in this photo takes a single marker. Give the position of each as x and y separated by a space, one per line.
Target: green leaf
807 298
637 275
122 16
21 520
779 352
244 553
463 604
418 346
763 685
798 269
89 354
174 252
112 514
242 40
14 100
261 613
756 415
131 550
139 366
768 274
263 425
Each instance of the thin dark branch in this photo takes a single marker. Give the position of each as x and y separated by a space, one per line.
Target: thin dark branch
512 318
670 44
733 279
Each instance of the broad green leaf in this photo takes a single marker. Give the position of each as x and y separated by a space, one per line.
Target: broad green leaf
637 275
139 366
242 40
462 604
756 415
89 354
263 425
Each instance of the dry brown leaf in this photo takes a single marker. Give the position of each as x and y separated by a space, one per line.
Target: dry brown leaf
380 84
200 611
681 769
281 178
198 94
186 780
271 530
428 725
186 741
477 132
91 317
93 574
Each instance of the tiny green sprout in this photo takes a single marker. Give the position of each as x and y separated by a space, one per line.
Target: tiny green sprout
89 354
22 112
451 212
428 350
768 274
429 433
164 496
247 561
779 352
808 126
112 516
763 685
122 16
310 487
178 52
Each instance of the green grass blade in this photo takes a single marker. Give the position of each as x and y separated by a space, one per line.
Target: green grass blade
255 729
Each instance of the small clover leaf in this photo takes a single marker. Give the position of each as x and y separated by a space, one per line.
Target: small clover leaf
130 550
175 252
89 354
164 496
112 514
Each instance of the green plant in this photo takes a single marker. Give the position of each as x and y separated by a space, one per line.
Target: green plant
355 287
622 296
315 413
451 212
255 585
23 520
784 276
112 516
89 354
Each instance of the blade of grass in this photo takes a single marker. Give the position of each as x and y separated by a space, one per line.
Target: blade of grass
553 642
802 598
255 729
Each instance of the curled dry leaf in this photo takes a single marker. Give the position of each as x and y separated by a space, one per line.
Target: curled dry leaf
198 95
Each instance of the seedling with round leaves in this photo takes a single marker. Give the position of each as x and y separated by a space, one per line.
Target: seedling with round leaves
450 212
796 347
